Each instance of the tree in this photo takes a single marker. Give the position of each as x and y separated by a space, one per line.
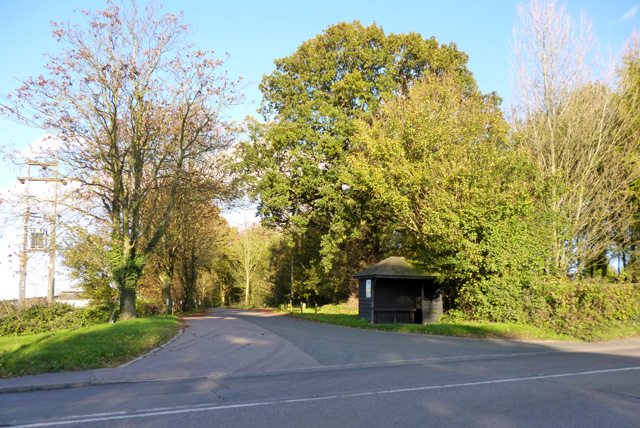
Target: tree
132 103
462 196
195 235
86 256
575 128
250 252
296 163
629 82
195 231
221 273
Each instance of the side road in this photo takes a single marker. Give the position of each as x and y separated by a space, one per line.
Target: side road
233 342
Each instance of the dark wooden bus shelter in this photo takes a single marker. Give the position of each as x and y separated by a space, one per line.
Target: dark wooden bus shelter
394 291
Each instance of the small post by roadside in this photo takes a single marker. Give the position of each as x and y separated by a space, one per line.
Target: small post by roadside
166 312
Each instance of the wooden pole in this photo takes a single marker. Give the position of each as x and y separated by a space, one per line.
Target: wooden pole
25 230
52 239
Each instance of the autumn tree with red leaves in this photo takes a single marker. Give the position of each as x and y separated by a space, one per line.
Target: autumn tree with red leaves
132 102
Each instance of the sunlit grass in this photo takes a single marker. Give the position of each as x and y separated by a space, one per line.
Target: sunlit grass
340 315
104 345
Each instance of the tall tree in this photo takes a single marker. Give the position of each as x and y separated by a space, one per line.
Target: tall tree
576 130
462 195
131 102
250 252
629 80
195 235
85 254
296 163
195 231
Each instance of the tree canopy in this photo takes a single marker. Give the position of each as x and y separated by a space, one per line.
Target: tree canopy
463 197
581 135
296 163
132 104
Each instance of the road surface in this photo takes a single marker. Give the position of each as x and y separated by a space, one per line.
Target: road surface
236 368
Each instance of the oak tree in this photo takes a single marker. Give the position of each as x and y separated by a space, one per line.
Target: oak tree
296 162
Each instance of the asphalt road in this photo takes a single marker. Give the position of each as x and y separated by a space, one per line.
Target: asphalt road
244 368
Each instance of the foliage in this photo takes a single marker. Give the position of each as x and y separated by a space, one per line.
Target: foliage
296 164
629 82
196 234
583 308
147 307
222 279
615 316
502 299
250 250
86 255
51 317
131 104
298 265
85 348
463 197
583 139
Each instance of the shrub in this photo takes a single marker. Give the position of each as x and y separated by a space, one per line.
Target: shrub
500 299
574 307
148 307
579 307
43 318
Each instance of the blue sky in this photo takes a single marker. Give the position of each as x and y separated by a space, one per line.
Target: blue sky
255 33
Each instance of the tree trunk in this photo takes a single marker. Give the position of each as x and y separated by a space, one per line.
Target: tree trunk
246 296
167 285
127 303
126 271
189 277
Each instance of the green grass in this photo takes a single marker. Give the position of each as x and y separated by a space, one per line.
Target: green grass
99 346
348 317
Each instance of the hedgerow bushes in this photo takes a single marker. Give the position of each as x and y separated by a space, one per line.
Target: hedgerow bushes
43 318
578 308
570 307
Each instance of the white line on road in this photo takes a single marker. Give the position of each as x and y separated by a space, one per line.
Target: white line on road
103 417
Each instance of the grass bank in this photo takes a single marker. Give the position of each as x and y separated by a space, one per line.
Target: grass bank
105 345
348 317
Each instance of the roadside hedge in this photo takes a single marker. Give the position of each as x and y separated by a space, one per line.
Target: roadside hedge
43 318
568 306
579 307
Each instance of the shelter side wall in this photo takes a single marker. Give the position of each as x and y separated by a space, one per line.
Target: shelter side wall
432 304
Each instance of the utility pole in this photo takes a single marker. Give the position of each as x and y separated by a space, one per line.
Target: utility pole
52 239
25 228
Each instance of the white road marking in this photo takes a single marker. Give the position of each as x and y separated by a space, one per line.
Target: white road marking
103 417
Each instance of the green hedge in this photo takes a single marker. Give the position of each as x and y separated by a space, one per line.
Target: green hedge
45 318
574 307
568 306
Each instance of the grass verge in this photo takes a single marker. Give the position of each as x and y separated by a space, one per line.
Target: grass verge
483 330
99 346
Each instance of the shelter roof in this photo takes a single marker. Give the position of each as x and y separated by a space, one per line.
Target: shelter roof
393 267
